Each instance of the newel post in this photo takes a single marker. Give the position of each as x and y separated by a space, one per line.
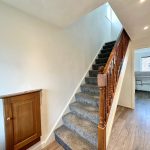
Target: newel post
102 81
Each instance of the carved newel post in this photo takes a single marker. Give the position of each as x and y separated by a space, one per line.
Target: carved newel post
102 81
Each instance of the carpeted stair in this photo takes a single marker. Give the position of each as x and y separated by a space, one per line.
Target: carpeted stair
79 129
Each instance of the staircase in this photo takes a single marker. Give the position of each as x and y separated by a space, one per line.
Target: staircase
80 126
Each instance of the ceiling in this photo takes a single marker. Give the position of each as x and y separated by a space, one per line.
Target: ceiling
58 12
133 15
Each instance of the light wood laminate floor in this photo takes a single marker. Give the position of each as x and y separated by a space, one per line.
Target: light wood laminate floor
131 129
53 146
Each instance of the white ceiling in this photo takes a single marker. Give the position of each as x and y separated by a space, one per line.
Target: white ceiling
133 15
57 12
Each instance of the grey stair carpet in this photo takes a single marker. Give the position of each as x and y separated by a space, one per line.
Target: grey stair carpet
79 130
85 111
84 98
93 73
91 80
72 141
90 89
85 128
96 66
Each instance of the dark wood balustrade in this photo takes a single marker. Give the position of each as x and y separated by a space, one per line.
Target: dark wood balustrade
107 81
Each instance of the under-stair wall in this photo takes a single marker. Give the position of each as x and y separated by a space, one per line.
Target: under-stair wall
127 93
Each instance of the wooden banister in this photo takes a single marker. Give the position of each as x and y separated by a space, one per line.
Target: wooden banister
107 81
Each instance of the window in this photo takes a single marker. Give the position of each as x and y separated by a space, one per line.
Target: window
146 63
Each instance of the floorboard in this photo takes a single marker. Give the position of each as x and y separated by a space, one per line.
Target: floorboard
131 129
53 146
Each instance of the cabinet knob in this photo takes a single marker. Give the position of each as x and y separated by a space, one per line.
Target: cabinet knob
8 118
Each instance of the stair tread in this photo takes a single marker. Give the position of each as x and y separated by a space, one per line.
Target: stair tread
96 71
100 64
104 58
93 73
72 140
88 96
85 111
90 85
91 80
86 129
91 77
103 55
87 99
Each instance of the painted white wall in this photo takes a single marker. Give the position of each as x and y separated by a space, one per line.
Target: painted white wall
138 57
34 54
139 53
116 24
127 94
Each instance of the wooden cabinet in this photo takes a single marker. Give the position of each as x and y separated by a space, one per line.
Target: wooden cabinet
22 120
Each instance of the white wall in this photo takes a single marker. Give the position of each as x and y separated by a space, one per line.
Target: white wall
138 57
34 54
127 94
139 53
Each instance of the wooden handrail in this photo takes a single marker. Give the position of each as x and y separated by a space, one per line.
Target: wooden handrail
107 81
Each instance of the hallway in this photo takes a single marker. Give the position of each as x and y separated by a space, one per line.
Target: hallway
131 129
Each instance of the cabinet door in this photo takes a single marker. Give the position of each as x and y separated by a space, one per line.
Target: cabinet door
24 119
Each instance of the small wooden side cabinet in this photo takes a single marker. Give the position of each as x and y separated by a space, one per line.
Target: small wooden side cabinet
22 119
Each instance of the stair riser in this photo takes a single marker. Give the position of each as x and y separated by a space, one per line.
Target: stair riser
102 60
91 81
93 73
88 101
85 115
103 55
91 91
106 51
65 146
91 139
108 46
96 67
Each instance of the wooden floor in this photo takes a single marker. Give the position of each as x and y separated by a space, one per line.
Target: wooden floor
131 129
54 146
